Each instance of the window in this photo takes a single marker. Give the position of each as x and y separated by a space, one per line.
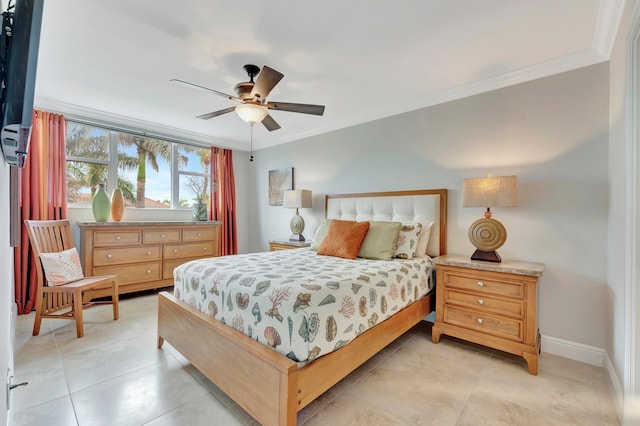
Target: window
150 172
193 174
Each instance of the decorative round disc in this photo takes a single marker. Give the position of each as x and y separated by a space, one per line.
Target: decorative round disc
487 234
297 225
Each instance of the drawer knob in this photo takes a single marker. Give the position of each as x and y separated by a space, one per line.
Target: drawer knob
118 237
162 235
480 301
175 250
204 249
199 234
109 256
480 320
480 284
148 271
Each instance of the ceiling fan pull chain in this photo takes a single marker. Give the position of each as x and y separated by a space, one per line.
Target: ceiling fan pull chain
251 146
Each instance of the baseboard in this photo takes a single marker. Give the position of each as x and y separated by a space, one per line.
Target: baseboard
572 350
590 355
617 391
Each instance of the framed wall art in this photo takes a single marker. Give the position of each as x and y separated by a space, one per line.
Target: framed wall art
280 180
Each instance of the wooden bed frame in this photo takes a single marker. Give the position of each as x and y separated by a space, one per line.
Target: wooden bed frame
265 383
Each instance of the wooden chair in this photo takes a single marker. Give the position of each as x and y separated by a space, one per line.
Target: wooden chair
50 236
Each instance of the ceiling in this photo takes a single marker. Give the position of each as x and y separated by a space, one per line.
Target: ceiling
111 61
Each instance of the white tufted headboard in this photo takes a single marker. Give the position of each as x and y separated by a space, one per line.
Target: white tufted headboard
399 206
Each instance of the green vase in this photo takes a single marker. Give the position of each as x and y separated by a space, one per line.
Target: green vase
100 205
199 211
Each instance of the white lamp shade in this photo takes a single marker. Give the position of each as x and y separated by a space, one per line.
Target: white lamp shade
297 198
500 191
251 113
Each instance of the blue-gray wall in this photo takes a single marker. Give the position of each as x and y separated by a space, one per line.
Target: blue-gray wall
552 133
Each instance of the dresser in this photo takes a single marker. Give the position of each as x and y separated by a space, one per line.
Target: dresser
143 254
287 244
492 304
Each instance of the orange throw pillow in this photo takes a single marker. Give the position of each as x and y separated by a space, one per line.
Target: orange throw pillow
344 239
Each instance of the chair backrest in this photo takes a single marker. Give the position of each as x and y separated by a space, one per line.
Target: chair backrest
48 236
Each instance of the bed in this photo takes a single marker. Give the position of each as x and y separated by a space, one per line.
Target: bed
272 382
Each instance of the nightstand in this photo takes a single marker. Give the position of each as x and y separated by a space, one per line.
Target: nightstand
492 304
287 244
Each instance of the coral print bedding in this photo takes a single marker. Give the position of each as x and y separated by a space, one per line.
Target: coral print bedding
297 302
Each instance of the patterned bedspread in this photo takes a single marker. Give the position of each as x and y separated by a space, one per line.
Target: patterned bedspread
301 304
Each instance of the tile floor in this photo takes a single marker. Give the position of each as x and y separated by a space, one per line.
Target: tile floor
115 375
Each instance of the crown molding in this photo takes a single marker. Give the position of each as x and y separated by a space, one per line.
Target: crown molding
558 65
608 22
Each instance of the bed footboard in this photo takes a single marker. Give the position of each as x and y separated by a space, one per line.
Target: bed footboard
260 380
266 384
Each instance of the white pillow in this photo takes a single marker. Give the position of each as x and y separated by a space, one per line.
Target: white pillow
407 242
423 242
321 234
62 267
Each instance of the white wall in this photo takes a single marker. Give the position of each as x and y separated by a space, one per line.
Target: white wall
552 133
6 290
620 175
614 303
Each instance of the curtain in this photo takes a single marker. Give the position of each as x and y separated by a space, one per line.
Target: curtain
223 196
42 194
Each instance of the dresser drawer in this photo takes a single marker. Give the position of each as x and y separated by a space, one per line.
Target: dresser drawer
481 285
161 236
485 303
507 328
170 265
116 255
115 238
139 272
176 251
189 235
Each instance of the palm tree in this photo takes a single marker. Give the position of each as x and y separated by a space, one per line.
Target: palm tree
148 150
83 144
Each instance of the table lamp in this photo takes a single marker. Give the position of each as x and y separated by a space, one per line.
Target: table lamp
297 199
487 234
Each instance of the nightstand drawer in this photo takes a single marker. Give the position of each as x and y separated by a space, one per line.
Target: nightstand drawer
489 324
275 245
485 303
480 284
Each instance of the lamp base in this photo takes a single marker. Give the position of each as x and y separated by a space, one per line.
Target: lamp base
486 256
297 226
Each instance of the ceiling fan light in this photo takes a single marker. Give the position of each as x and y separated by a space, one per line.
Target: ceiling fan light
252 113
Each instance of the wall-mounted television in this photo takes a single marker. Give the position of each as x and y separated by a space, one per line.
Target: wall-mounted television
19 42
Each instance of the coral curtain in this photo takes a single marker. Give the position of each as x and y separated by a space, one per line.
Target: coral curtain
223 196
42 194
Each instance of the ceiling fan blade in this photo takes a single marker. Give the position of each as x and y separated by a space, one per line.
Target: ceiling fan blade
215 113
270 123
303 108
197 86
267 80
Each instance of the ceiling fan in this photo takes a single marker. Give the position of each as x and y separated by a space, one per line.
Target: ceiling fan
252 96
